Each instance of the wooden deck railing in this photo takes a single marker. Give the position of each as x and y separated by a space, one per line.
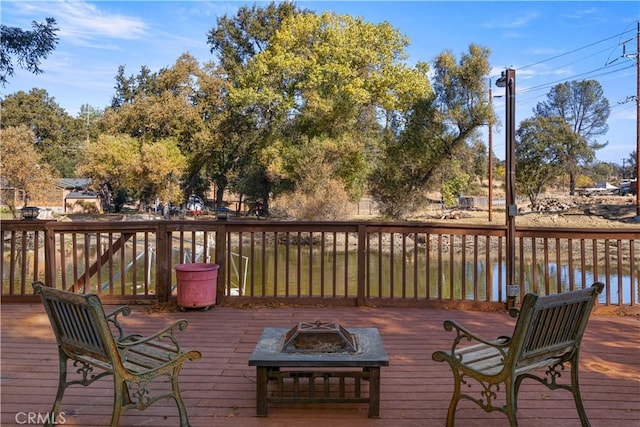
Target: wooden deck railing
338 263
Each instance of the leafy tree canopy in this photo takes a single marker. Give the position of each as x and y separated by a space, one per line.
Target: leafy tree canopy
332 78
58 136
140 169
437 128
22 167
582 105
238 39
26 48
541 153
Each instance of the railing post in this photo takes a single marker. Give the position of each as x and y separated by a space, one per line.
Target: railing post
221 260
163 262
362 264
49 255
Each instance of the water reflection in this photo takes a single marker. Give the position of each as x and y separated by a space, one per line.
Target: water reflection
285 272
302 271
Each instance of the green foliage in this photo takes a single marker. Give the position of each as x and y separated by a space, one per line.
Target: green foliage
168 104
541 153
437 130
582 106
162 166
583 181
322 71
453 188
113 160
238 39
324 83
57 134
144 170
479 160
26 48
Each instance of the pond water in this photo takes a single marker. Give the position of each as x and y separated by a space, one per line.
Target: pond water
386 274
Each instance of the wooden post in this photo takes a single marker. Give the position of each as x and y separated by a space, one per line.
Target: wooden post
163 262
362 264
221 259
50 255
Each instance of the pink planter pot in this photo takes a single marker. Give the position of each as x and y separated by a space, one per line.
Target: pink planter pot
197 285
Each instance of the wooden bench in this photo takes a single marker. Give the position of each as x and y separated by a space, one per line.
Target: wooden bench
547 335
92 339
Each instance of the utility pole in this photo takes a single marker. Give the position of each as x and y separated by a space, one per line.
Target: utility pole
508 81
638 122
637 99
490 154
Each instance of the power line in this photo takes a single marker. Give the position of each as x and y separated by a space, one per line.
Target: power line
586 73
576 50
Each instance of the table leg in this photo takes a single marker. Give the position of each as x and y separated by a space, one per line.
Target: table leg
374 392
261 391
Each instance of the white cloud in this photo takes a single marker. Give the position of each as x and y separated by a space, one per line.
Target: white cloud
85 24
510 23
582 13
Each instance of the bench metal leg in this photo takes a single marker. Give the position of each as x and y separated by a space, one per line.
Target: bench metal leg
62 385
451 412
575 390
182 409
512 401
120 395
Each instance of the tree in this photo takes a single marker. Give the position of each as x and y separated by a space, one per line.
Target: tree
582 105
22 168
141 169
237 40
630 166
541 153
479 160
246 128
127 88
160 105
435 130
112 161
185 103
330 78
88 120
28 47
160 169
58 136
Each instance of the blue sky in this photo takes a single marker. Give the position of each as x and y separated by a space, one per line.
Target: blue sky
546 42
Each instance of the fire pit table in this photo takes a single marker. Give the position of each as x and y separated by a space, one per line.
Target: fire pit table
319 362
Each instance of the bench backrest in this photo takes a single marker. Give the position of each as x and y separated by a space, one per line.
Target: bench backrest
79 323
552 325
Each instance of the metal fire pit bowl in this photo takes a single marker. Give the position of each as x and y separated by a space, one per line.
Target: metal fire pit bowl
319 337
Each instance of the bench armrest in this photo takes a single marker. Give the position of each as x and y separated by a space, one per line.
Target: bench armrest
501 343
165 338
112 318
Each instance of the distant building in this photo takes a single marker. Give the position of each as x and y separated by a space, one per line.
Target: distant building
76 196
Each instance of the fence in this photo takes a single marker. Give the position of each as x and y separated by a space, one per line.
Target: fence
339 263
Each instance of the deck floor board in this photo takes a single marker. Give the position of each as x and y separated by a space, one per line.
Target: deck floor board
219 389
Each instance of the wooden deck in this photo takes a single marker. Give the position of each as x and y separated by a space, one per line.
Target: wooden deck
219 390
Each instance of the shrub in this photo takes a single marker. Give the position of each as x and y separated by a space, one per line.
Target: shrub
328 202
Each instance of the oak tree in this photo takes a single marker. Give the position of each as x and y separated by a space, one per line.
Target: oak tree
22 167
541 154
582 105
